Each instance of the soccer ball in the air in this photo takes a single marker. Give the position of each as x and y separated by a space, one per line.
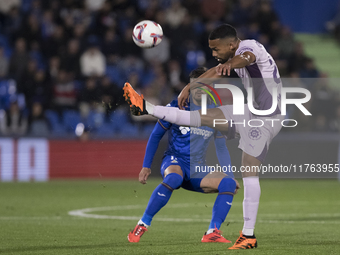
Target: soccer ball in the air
147 34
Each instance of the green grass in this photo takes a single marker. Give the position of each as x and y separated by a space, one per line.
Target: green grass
295 217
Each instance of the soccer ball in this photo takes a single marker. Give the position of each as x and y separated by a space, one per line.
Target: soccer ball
147 34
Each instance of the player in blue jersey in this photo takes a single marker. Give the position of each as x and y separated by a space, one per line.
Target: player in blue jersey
186 150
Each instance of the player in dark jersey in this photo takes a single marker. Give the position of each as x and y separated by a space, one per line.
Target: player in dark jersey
187 149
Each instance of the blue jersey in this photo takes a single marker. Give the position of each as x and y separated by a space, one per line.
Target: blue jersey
189 143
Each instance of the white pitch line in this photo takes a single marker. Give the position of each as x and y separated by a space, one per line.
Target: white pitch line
85 213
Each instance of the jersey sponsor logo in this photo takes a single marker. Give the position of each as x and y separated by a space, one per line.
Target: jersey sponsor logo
160 194
173 159
254 133
198 131
184 130
229 203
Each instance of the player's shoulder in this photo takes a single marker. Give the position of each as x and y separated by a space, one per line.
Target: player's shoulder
249 45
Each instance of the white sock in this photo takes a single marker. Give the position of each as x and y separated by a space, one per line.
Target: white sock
149 107
140 222
252 192
177 116
210 230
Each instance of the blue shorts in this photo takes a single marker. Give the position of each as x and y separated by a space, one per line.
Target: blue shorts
189 183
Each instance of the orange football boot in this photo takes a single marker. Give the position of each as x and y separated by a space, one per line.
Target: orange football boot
135 235
244 242
136 101
214 237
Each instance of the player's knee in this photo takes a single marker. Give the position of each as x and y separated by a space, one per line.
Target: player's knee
172 181
227 185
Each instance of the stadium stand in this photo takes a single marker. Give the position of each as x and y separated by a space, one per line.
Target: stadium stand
45 48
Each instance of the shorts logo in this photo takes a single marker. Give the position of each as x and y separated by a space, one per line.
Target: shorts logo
184 130
254 133
173 159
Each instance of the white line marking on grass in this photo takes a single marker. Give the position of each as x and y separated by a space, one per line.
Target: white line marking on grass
86 213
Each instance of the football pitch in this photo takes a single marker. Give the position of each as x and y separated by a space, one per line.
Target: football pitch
94 217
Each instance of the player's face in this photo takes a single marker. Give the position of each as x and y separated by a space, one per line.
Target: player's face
197 94
222 49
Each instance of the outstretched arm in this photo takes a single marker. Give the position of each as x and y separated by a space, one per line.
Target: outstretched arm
151 148
207 77
239 61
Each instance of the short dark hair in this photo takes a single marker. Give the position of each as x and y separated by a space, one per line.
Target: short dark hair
223 31
197 72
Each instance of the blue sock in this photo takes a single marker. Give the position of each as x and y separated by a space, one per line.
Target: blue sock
161 195
223 202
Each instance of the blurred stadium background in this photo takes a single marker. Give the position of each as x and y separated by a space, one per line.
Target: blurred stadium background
62 116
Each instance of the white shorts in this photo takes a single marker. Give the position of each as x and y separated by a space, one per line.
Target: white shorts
255 132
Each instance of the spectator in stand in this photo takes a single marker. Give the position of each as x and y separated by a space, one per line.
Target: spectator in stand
175 14
89 98
297 59
129 48
92 62
37 122
243 13
64 93
4 64
309 69
94 5
38 89
80 33
47 24
27 76
132 64
176 77
54 67
13 122
31 30
105 18
110 95
285 42
265 17
6 6
213 9
111 46
12 23
280 61
36 8
19 59
55 45
70 59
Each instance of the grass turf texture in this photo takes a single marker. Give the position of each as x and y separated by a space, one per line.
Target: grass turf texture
295 217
